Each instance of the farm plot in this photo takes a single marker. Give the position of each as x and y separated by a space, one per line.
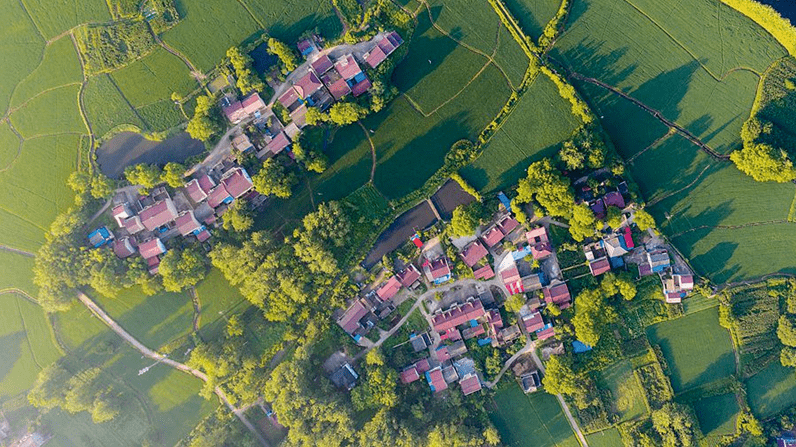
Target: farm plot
533 15
436 67
626 392
9 145
529 420
217 298
535 129
53 18
161 115
287 20
24 195
53 112
693 364
154 78
671 62
107 108
755 315
59 66
21 49
17 272
605 438
228 20
771 390
717 415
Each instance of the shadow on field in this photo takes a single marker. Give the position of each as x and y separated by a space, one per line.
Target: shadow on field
11 344
716 370
717 257
596 62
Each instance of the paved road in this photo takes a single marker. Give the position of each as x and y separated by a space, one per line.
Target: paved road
239 412
529 347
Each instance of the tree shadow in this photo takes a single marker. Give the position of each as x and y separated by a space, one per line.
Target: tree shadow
715 262
11 344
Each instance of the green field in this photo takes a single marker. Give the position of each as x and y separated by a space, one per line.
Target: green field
21 49
533 15
107 108
696 348
771 390
626 391
154 78
605 438
217 296
26 344
53 18
53 112
535 129
717 414
532 420
60 66
228 21
17 272
288 19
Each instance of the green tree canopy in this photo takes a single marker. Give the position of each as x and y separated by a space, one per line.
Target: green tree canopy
786 330
764 163
284 53
548 187
344 113
581 225
675 424
515 302
173 174
182 268
644 220
466 219
239 217
146 175
571 156
274 179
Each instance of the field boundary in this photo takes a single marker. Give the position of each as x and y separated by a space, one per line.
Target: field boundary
19 146
674 193
730 227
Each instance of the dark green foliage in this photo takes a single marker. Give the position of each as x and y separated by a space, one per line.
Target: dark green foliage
107 47
247 80
181 269
548 187
351 12
206 119
274 179
220 429
285 54
655 384
85 391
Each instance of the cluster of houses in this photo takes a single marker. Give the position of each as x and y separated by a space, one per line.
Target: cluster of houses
676 286
449 367
325 81
146 222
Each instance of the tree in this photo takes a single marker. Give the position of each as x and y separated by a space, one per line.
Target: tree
181 269
764 163
561 378
748 423
238 217
466 219
79 182
581 225
613 217
284 53
234 326
453 435
201 127
102 186
491 436
493 363
173 174
519 214
344 113
571 156
675 425
626 285
146 175
314 116
644 220
273 179
592 313
786 330
548 187
515 302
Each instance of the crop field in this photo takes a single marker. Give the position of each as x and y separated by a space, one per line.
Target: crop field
626 392
535 129
161 115
605 438
60 66
106 107
9 145
153 78
26 344
288 19
694 364
755 314
533 15
21 49
53 18
154 320
54 112
771 390
529 420
215 296
228 20
17 273
717 414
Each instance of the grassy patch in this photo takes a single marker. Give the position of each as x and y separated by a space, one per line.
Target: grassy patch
626 392
535 129
216 297
21 49
154 78
17 272
161 115
50 113
692 364
533 15
228 20
605 438
755 314
529 420
288 19
771 390
717 414
9 145
53 18
60 66
106 107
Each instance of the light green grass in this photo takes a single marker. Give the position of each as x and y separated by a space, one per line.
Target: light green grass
288 19
228 21
50 113
535 129
154 78
26 344
21 49
771 390
605 438
216 295
9 145
154 320
17 272
55 17
161 115
34 189
627 394
533 15
510 57
60 66
697 349
106 107
532 420
717 414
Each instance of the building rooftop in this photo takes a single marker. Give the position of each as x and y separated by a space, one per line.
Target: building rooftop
347 67
237 182
187 223
158 214
124 247
558 294
218 195
252 103
458 315
322 65
195 191
389 288
151 248
599 266
349 321
408 276
473 253
307 85
492 236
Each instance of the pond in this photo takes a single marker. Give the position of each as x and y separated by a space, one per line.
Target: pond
129 148
786 8
262 59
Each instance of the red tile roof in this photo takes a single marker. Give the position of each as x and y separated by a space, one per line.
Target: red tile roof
195 191
614 198
237 182
628 238
158 214
336 85
436 380
349 321
234 111
484 272
508 224
252 103
422 365
307 85
133 224
299 116
151 248
322 65
492 236
217 196
153 263
533 322
470 384
278 143
557 294
599 267
409 375
443 354
408 276
440 268
473 253
203 235
389 288
347 67
455 316
375 57
289 97
361 87
545 334
206 183
187 223
510 275
124 247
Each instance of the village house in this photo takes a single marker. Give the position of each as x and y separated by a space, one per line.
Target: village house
420 342
473 253
383 49
470 384
539 243
676 286
277 144
100 237
124 247
484 272
492 236
558 295
436 381
438 271
242 143
389 289
309 46
158 215
151 251
413 371
357 320
237 111
533 322
597 259
409 276
547 332
237 182
530 382
617 245
344 377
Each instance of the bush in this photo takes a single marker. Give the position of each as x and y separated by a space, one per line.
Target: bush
104 48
